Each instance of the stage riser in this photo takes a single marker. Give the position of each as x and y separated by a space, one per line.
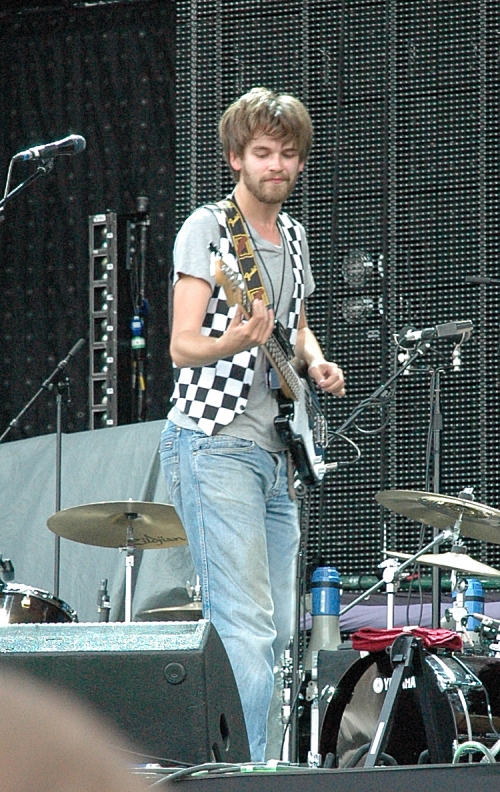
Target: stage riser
442 778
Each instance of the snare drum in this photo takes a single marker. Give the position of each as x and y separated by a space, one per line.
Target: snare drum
23 604
459 689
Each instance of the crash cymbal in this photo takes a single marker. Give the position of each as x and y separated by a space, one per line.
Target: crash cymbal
188 612
154 525
460 562
442 511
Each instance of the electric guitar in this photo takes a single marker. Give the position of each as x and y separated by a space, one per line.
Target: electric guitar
300 422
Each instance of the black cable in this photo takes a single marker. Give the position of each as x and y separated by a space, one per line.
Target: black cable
206 767
362 750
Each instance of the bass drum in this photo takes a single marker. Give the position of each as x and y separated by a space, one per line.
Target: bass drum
23 604
460 687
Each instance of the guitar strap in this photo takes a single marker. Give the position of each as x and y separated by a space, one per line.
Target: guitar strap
244 252
255 289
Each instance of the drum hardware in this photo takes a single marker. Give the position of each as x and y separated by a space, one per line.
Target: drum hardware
470 518
392 572
289 702
444 700
458 612
26 605
312 695
126 525
488 633
456 560
401 659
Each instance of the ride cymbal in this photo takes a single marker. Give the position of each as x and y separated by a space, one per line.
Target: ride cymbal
153 525
442 511
460 562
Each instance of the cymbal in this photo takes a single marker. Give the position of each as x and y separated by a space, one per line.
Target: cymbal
188 612
154 525
460 562
442 511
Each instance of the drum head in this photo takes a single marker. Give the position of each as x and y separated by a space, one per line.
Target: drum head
451 692
23 605
352 716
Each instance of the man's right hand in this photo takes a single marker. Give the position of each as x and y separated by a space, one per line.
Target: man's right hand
189 347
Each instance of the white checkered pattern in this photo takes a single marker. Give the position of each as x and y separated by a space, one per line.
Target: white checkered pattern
213 395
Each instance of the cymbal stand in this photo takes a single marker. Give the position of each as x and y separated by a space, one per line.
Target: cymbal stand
389 577
129 564
458 611
392 573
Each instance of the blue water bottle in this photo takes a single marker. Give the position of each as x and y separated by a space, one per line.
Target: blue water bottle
474 601
326 591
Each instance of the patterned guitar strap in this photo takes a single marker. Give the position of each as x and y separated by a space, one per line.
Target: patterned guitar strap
244 252
249 268
255 289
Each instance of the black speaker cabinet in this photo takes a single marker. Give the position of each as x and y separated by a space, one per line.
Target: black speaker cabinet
168 686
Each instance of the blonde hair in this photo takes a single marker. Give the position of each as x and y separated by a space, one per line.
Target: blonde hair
263 111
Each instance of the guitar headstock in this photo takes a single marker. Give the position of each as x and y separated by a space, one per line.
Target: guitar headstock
225 276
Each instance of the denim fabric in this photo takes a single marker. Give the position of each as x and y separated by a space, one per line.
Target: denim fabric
242 527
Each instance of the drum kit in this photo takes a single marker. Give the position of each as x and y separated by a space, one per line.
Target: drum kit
126 525
446 703
464 689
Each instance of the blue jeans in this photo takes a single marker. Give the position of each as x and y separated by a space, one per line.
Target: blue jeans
242 528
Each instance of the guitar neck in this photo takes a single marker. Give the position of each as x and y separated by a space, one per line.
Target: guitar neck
278 358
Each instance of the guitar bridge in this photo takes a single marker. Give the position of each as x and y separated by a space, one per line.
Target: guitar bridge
320 431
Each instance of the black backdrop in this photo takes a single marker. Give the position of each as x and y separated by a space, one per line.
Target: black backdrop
401 203
107 72
400 199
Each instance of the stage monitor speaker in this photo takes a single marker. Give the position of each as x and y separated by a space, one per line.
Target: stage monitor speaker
168 686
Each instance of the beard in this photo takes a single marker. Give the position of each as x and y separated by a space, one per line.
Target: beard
265 190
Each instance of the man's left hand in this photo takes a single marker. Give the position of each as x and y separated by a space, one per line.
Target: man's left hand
327 376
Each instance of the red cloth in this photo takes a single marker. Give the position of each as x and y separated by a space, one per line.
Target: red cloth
370 639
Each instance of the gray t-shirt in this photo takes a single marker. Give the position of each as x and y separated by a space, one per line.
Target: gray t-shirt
191 257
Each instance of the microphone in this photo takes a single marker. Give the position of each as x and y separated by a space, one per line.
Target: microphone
482 279
411 336
68 146
103 603
487 621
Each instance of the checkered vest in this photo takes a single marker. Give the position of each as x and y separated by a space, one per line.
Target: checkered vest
213 395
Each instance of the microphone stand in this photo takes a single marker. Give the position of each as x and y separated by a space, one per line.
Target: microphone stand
390 573
45 167
48 385
421 349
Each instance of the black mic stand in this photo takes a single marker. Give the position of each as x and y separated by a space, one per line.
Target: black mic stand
382 392
48 385
45 167
436 428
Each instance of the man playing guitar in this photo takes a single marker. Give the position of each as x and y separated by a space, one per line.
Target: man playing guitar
226 465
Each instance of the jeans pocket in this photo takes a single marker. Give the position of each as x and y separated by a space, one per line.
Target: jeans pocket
220 444
169 458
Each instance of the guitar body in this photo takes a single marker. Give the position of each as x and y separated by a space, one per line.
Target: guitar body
302 429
